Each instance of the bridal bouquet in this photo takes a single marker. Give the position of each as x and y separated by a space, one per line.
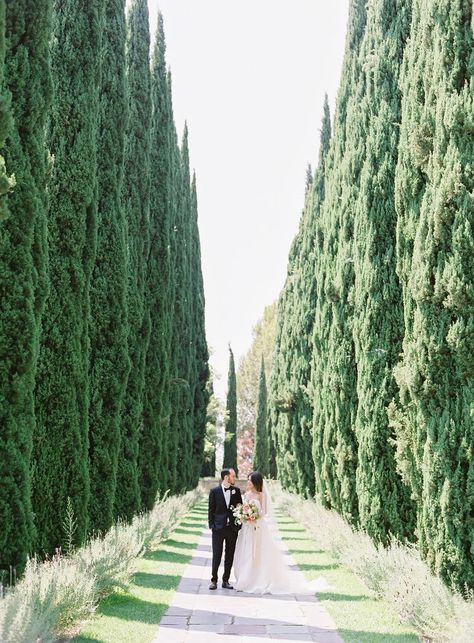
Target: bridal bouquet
247 512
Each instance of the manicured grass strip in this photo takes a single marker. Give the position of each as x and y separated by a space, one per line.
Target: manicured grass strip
358 616
134 616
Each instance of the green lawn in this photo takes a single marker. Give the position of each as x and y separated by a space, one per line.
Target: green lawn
134 616
358 616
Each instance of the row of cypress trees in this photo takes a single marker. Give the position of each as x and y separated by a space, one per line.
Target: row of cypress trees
103 355
371 397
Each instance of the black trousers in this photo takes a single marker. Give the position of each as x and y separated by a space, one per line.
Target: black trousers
229 536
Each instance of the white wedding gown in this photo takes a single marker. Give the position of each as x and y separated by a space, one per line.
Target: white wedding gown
259 564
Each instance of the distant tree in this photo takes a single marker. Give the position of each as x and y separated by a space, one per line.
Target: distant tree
211 439
248 376
261 450
230 443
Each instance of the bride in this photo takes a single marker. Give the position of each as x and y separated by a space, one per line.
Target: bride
259 564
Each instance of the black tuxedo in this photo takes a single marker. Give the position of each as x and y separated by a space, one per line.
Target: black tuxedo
224 529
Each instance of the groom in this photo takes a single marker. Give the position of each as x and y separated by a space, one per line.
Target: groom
221 520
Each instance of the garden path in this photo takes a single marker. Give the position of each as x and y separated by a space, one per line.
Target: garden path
200 615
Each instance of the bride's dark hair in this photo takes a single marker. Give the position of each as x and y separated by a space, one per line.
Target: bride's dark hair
257 480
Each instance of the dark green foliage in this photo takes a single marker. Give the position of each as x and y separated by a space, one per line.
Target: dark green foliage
182 411
175 351
136 196
23 259
230 439
392 353
6 181
293 411
154 439
198 345
261 448
384 504
109 361
337 402
104 361
60 468
435 187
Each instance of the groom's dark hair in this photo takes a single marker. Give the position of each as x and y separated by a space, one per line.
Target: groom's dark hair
224 473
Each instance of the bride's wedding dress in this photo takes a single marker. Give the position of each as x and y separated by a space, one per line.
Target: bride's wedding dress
259 563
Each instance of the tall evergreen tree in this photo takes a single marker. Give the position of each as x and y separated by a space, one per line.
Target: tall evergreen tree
383 500
184 382
294 412
248 378
176 347
201 392
261 449
154 439
110 363
60 468
136 195
435 187
334 371
23 259
230 440
7 181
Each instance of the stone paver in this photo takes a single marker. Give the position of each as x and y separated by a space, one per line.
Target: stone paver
199 615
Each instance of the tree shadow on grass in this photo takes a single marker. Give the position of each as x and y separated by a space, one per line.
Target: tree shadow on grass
178 544
334 596
130 608
168 556
376 637
191 523
187 530
164 555
315 566
156 581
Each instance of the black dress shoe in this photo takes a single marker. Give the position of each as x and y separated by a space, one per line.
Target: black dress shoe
226 585
213 585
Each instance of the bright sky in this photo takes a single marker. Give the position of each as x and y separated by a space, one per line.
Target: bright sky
249 77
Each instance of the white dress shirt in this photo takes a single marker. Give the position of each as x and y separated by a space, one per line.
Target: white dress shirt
226 494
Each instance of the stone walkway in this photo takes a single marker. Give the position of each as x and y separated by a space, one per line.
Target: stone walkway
198 614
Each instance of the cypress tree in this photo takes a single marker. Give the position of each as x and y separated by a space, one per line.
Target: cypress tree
230 439
60 467
6 181
175 338
334 371
383 501
154 442
136 195
182 412
261 448
280 397
110 364
435 187
23 259
201 392
295 350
